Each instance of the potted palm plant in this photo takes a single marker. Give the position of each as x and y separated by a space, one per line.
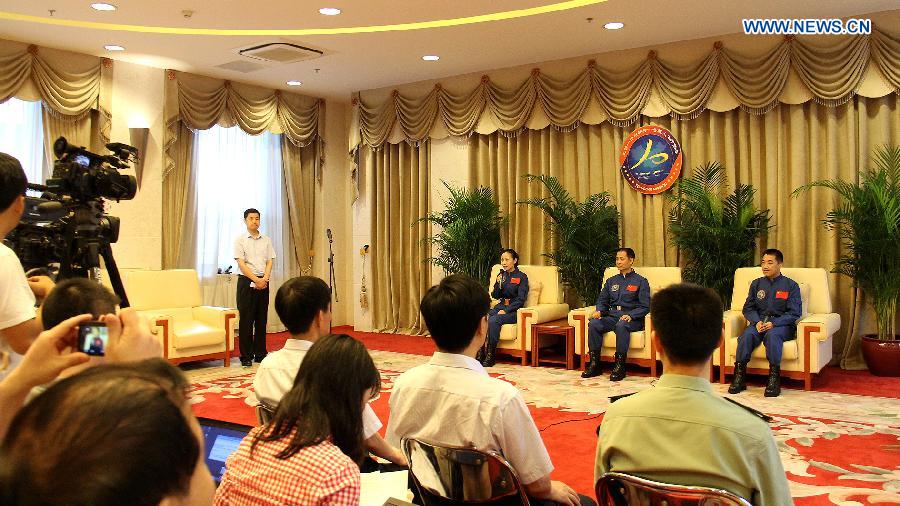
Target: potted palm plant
469 239
717 234
867 219
586 235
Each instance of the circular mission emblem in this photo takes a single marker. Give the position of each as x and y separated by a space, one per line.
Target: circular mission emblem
651 159
761 294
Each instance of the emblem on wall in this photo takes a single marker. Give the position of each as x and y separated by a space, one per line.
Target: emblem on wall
651 159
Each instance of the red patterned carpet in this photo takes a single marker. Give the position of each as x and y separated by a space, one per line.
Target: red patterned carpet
839 444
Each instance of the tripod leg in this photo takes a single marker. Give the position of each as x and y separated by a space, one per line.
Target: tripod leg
114 278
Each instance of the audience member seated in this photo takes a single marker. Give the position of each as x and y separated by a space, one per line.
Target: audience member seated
680 431
111 435
451 401
309 452
304 306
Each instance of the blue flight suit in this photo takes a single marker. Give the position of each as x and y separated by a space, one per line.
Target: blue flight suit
512 290
621 295
777 301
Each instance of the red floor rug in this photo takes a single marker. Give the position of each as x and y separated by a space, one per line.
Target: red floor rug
839 444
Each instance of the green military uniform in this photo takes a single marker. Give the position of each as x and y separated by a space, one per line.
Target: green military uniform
681 432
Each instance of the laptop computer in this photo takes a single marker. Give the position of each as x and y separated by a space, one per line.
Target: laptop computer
222 439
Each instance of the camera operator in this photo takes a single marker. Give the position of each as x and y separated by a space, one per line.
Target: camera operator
19 322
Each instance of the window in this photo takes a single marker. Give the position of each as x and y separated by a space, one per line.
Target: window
22 136
234 171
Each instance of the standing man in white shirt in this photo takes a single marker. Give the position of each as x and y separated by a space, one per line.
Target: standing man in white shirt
451 400
19 322
254 254
304 306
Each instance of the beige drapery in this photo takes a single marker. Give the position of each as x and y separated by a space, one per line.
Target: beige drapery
195 102
776 152
75 92
399 195
832 73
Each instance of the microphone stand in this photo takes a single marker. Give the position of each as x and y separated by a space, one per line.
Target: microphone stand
331 277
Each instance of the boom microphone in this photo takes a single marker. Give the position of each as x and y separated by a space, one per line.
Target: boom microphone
328 233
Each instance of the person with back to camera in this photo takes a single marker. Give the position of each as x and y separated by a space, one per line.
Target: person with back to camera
511 289
309 452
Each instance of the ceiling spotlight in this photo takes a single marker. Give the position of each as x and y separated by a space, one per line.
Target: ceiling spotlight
294 83
615 25
112 47
329 11
431 57
103 7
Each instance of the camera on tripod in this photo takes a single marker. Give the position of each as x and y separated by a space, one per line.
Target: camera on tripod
66 230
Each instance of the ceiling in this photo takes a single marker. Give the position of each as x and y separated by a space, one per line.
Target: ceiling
361 61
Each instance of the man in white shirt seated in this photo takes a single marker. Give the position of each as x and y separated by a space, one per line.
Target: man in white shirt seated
304 306
451 400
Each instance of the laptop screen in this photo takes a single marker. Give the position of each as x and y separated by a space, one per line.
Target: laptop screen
222 439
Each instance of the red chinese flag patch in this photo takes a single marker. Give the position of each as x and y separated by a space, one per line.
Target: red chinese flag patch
515 281
632 288
781 295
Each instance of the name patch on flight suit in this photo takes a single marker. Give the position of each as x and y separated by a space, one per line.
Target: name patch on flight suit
632 288
515 281
781 295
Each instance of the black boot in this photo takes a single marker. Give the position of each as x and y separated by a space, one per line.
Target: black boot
739 383
773 386
618 372
593 367
489 360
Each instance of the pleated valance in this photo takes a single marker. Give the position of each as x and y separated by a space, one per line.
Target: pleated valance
199 103
69 87
829 73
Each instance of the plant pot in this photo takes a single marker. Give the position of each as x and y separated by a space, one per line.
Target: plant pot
882 357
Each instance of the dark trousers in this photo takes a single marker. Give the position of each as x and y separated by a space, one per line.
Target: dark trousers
623 329
253 306
496 321
773 339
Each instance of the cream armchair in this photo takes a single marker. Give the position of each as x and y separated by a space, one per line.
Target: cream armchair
170 301
544 304
802 357
640 350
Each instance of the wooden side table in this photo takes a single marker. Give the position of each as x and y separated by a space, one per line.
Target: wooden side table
559 327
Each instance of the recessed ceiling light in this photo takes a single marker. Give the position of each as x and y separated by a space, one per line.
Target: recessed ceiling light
294 83
103 7
112 47
431 57
615 25
329 11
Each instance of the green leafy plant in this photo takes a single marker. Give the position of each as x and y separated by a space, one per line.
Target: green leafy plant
469 240
717 234
586 235
867 219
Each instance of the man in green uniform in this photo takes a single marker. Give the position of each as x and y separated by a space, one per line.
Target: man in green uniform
680 431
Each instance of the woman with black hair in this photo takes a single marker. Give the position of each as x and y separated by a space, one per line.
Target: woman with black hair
511 288
310 451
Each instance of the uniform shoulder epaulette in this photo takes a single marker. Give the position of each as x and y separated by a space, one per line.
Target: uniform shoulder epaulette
759 414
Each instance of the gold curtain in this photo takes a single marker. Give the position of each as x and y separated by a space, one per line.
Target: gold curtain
175 194
299 173
776 153
399 195
832 75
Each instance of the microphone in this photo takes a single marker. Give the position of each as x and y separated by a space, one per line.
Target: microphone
328 233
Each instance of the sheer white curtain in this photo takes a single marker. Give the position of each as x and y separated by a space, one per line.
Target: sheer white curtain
22 136
233 171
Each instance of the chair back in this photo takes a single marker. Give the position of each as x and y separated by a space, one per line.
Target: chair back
620 489
547 275
174 288
818 300
264 413
657 277
447 476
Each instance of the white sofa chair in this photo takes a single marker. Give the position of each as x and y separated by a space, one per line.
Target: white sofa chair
544 304
170 300
802 357
640 350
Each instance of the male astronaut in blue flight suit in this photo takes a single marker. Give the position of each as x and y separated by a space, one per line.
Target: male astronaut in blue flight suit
772 308
622 305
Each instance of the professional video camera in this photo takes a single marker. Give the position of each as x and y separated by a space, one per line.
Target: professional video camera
66 230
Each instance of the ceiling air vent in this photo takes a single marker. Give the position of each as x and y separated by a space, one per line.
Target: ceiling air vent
280 52
242 66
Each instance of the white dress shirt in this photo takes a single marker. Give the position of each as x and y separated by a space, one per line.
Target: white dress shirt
451 401
276 374
16 301
254 251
